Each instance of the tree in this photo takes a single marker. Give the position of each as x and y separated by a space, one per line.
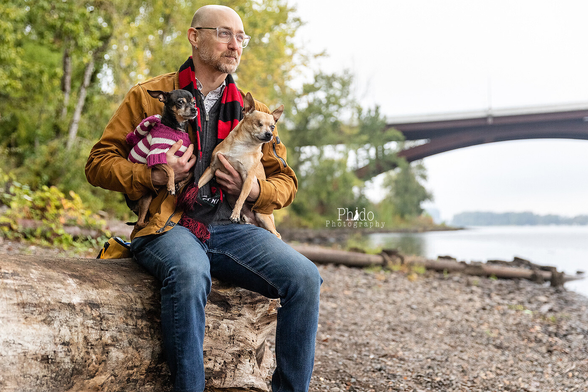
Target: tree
320 114
10 51
65 65
325 185
377 145
405 191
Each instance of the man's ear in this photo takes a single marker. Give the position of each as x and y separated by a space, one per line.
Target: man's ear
158 94
193 37
278 112
248 104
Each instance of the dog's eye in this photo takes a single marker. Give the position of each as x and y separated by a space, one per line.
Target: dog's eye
260 124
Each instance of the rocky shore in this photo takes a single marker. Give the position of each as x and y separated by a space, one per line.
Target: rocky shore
391 331
407 331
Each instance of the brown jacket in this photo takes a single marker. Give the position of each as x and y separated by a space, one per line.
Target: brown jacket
109 168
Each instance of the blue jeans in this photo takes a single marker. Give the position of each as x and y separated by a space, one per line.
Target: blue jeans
249 257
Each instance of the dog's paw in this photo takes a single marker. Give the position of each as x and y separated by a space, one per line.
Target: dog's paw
235 218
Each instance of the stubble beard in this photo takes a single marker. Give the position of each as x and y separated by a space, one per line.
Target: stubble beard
219 63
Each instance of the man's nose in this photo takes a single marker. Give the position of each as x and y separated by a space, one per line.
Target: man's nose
233 44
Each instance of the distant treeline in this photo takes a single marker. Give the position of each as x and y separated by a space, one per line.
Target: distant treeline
514 219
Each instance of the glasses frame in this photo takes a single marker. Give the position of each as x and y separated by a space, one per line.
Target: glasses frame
243 43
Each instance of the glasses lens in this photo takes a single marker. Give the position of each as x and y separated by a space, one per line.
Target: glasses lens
226 36
223 35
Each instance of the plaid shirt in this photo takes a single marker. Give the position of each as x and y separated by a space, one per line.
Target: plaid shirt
213 96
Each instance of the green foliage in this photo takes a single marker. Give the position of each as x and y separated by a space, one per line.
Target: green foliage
42 216
405 191
11 64
134 40
318 113
151 40
376 145
325 185
271 60
29 118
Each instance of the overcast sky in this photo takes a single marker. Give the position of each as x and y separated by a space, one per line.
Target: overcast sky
425 57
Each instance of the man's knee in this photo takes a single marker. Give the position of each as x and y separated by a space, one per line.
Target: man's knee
190 277
307 277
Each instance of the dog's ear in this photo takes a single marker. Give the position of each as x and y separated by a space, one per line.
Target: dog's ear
248 104
278 112
158 94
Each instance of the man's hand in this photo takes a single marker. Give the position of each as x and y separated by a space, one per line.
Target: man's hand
232 183
182 166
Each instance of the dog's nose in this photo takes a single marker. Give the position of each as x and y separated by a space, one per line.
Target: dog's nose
268 135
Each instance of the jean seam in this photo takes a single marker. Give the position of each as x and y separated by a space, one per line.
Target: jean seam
174 305
236 260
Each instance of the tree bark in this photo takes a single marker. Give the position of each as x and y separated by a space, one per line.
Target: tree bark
73 128
66 80
93 325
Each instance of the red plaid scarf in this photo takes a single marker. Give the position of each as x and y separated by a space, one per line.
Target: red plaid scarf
231 110
199 211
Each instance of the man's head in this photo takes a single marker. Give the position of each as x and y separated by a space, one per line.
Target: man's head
210 25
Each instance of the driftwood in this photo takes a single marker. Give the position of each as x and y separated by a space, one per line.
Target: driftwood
93 325
321 255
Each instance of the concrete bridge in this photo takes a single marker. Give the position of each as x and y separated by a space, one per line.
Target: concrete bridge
446 132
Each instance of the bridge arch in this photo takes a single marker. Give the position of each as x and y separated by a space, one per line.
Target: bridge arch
448 132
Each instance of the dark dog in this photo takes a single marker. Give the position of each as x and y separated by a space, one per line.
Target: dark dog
156 134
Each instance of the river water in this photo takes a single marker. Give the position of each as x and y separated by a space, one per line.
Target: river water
565 247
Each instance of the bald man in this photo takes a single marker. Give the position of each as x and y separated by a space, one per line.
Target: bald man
184 246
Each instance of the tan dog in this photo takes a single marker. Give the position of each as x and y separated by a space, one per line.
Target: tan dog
242 149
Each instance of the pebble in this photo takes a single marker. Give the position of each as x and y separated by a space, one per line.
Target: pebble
469 334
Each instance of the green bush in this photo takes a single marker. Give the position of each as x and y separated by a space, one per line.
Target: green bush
42 215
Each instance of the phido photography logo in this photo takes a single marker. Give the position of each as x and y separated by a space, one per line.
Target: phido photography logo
355 219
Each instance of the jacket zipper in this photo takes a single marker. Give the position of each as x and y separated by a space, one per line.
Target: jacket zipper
167 223
276 153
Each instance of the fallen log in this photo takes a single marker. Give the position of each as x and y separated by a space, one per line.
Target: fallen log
322 255
93 325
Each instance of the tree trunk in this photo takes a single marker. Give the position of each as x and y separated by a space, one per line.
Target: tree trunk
73 128
66 80
93 325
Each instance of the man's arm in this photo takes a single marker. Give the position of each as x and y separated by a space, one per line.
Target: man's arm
279 189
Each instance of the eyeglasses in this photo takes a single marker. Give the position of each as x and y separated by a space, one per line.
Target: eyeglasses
226 35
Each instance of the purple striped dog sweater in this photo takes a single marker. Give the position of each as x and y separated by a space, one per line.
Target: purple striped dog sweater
151 140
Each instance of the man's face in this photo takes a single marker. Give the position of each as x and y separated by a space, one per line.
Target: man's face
223 57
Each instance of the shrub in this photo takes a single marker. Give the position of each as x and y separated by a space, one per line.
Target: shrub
44 216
